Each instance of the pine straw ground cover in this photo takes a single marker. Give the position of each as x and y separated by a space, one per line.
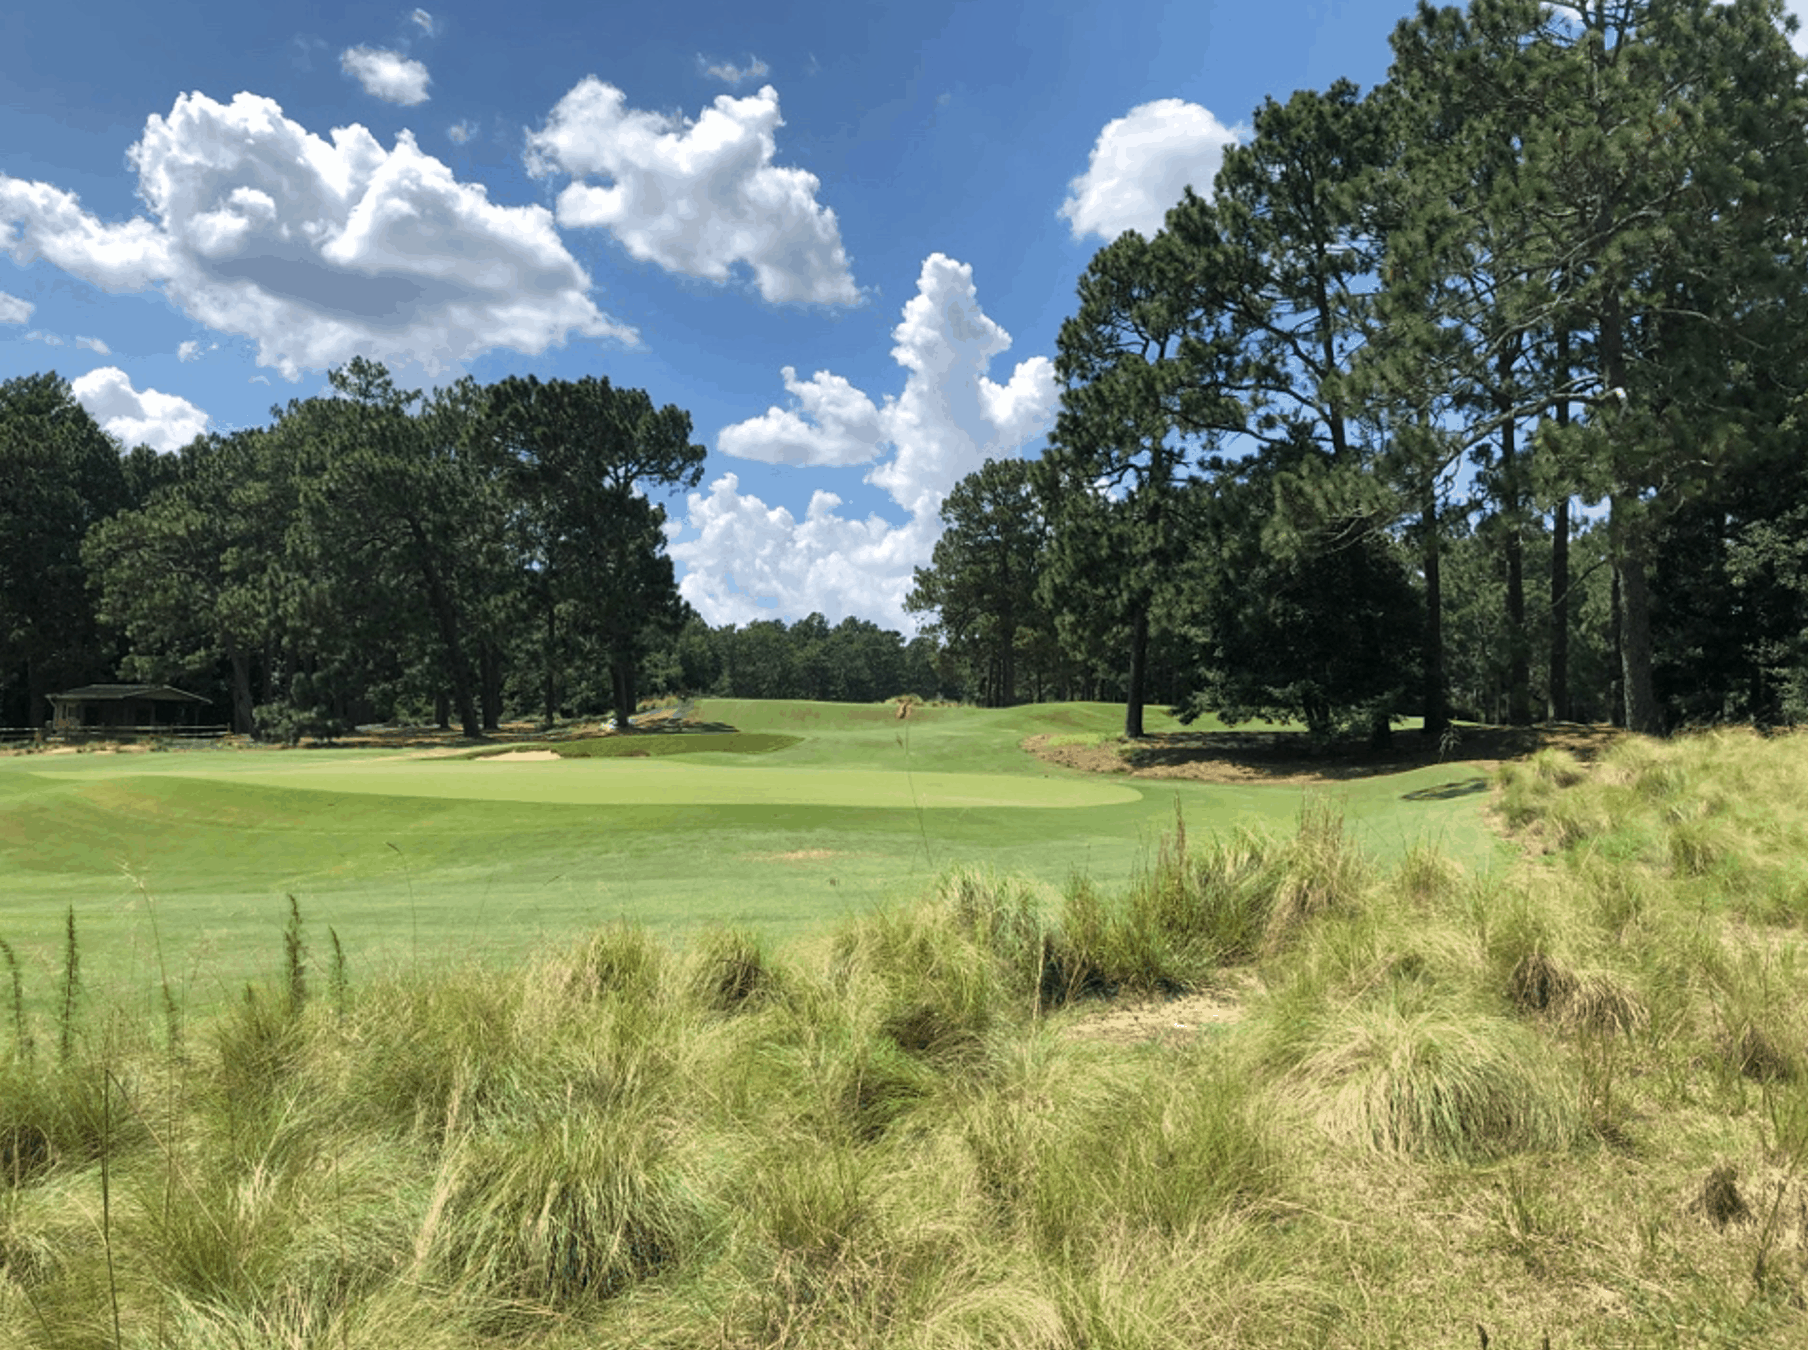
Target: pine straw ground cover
1566 1099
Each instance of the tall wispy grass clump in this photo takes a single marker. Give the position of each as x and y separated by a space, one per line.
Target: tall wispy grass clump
1239 897
1436 1083
22 1042
71 989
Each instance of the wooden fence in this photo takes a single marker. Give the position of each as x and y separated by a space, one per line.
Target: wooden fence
167 735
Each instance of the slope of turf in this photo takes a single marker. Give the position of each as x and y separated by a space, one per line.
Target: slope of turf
407 857
675 743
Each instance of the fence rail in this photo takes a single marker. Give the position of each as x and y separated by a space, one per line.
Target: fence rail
82 735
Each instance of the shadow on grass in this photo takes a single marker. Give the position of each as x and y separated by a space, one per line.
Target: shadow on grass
1444 792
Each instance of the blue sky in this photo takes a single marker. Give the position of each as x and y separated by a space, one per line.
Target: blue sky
843 237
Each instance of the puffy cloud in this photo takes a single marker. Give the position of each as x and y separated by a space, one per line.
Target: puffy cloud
319 250
695 197
951 418
1141 166
460 132
387 75
748 553
49 339
844 426
189 351
729 73
424 21
162 421
94 345
13 309
948 420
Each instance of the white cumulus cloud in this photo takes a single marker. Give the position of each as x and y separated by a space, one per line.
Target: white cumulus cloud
94 345
162 421
729 73
947 421
13 309
460 132
189 351
1141 166
695 197
319 250
387 75
834 423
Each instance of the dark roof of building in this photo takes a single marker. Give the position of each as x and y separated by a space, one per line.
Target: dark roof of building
119 693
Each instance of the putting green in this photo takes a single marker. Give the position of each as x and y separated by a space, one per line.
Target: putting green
662 782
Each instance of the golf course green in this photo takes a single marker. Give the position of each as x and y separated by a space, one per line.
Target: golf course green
183 862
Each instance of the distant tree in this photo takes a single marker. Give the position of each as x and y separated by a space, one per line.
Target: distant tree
60 475
183 574
1110 482
584 455
1327 636
982 579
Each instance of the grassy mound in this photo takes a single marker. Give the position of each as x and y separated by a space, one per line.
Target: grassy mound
676 743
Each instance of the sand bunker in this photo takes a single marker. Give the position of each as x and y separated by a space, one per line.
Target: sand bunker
518 756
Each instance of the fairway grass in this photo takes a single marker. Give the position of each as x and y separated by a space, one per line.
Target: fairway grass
1410 1103
411 859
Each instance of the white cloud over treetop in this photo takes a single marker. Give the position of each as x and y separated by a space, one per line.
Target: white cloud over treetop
318 250
695 197
752 561
1141 166
387 75
13 309
948 420
162 421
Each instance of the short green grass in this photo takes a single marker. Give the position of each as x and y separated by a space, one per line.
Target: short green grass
1563 1101
840 808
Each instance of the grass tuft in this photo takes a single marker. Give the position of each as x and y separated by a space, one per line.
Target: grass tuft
1437 1084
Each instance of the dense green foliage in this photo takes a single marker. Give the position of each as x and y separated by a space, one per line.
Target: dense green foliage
1474 394
1324 438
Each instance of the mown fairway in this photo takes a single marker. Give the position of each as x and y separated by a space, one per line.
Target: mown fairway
422 858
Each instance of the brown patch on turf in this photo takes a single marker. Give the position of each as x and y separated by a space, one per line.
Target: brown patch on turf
1287 758
796 855
1165 1021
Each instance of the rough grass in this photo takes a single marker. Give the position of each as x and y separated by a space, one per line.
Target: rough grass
1567 1098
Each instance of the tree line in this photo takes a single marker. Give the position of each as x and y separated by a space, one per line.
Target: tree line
374 555
1475 393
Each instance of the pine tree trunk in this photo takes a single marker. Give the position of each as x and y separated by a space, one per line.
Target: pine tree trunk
1519 672
244 720
621 676
1139 657
489 665
1436 707
1635 648
551 701
1557 705
1616 680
